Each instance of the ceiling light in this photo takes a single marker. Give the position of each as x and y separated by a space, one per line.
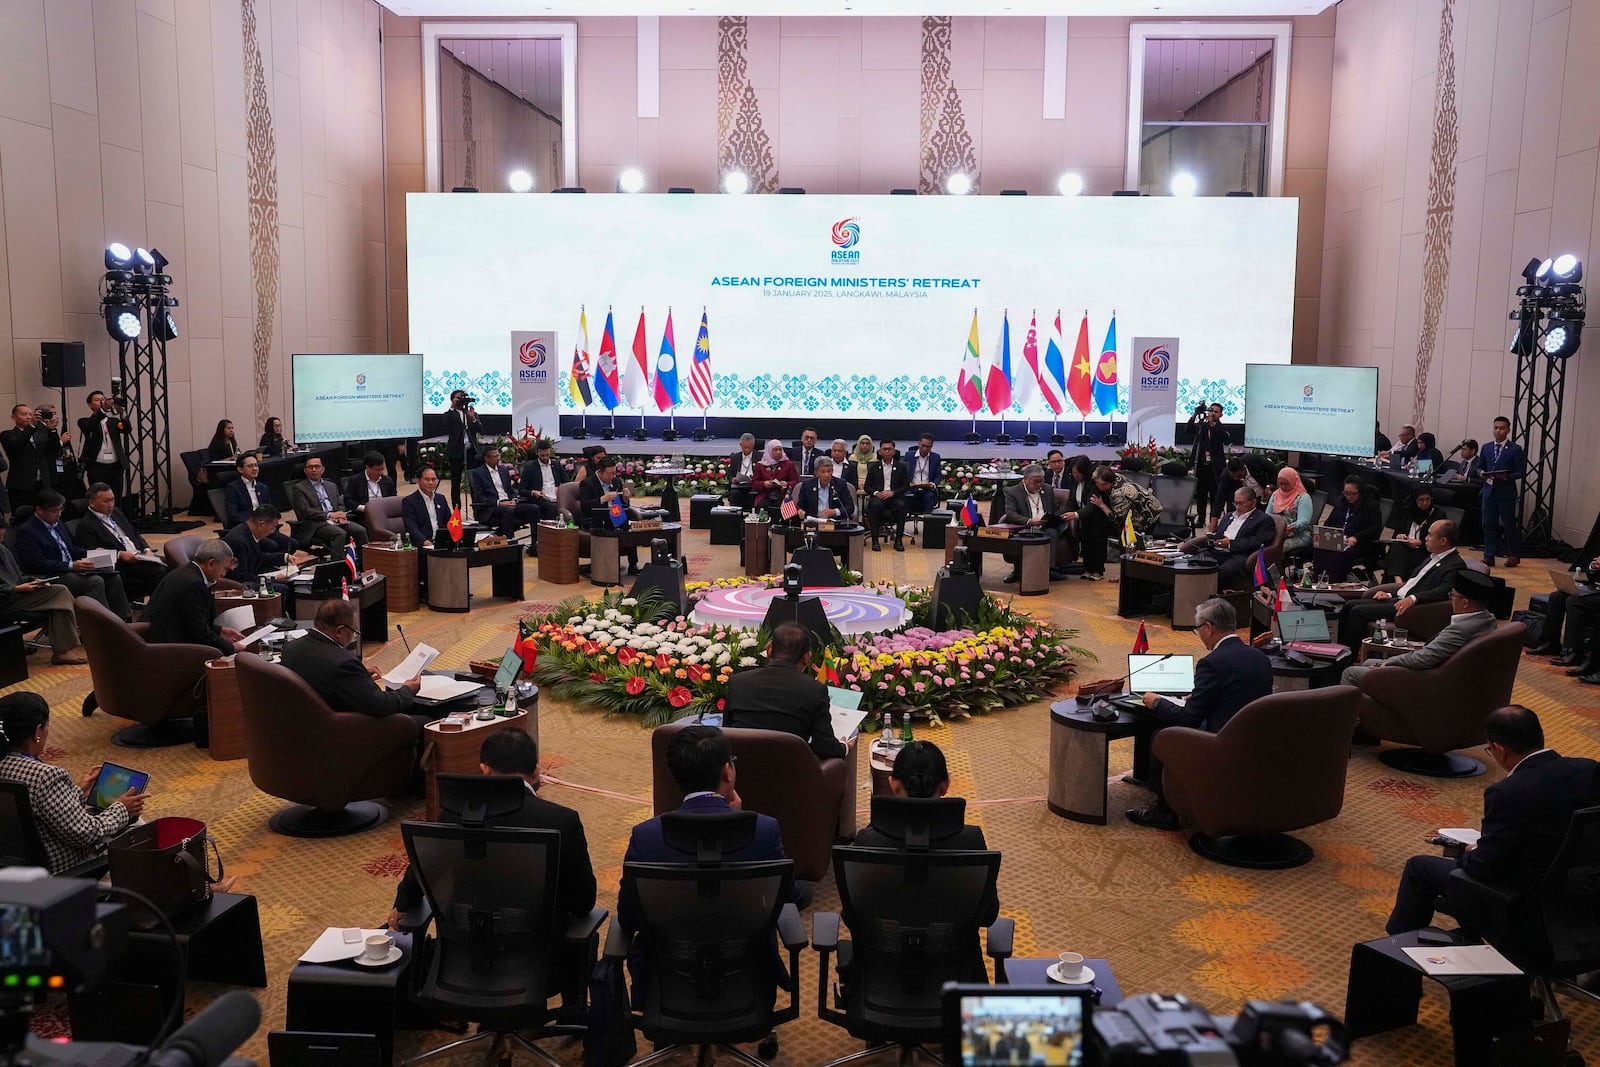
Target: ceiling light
519 181
122 321
1069 184
118 256
958 184
736 182
1184 184
630 181
1563 337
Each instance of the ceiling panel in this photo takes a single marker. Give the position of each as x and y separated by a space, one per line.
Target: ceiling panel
1137 8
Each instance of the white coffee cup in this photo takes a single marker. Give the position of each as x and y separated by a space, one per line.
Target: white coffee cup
1069 966
378 946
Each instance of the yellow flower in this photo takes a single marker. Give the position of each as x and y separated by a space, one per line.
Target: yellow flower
680 672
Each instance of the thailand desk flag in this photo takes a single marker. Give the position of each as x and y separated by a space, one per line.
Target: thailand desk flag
350 561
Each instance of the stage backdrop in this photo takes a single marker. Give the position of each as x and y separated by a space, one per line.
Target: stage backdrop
846 305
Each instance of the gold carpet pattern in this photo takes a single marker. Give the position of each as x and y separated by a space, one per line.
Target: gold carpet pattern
1166 919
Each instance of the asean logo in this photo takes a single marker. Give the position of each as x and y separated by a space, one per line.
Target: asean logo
1156 360
361 381
531 353
846 233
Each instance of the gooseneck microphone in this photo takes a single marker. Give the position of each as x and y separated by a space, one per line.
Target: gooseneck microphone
401 630
210 1037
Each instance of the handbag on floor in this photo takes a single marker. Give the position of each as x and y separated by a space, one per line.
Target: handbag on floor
165 862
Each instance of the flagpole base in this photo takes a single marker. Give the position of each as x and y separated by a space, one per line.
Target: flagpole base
578 434
1113 440
669 434
702 434
640 434
1002 439
973 439
1083 440
609 433
1030 439
1058 439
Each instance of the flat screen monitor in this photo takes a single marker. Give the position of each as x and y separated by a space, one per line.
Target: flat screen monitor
1169 675
1301 408
356 396
1303 626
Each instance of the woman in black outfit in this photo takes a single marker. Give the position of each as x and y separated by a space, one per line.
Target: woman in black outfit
273 443
223 444
1411 524
1357 515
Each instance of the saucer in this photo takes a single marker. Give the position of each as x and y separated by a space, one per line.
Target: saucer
393 956
1053 972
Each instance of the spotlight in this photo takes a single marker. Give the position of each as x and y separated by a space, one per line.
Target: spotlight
164 327
1184 184
958 184
1521 343
1070 184
1567 268
122 321
630 181
736 182
161 261
1563 337
118 256
519 181
143 261
1530 273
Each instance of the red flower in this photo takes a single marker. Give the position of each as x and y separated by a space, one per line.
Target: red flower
626 655
679 696
663 661
698 672
635 686
596 676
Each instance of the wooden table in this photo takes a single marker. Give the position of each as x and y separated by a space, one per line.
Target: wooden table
450 575
757 549
606 549
399 568
1192 584
1371 650
457 753
848 542
1029 553
1080 760
372 600
558 554
223 710
266 608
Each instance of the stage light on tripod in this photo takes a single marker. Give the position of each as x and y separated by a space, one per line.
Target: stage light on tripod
1530 273
1563 337
1070 185
958 184
161 261
630 181
122 322
118 256
1184 184
1566 268
519 181
736 182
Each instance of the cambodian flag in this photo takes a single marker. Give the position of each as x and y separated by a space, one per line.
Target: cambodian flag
1262 577
605 369
969 511
1105 375
997 389
667 370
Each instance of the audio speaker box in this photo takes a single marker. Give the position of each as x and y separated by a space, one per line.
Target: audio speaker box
61 364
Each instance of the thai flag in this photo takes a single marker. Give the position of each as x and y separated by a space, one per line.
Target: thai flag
605 369
1052 373
700 370
1262 577
969 511
350 560
667 370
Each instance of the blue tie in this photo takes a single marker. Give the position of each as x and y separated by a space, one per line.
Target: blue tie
66 553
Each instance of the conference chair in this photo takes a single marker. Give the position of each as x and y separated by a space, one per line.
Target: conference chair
567 501
913 922
219 506
159 686
1278 765
194 463
179 551
1443 708
20 843
1143 479
1551 930
382 518
331 765
1424 621
1319 505
497 938
1175 495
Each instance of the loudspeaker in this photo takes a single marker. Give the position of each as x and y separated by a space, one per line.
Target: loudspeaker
956 598
61 364
807 611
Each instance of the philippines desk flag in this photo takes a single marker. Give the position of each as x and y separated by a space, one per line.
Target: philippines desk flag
969 386
997 389
700 372
667 370
578 380
1262 577
1053 372
1105 374
1080 381
616 514
605 369
636 382
350 560
1141 644
969 511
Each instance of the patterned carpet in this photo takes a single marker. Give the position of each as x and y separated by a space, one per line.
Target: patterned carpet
1167 919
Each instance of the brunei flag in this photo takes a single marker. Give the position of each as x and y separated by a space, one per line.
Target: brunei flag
1130 536
578 380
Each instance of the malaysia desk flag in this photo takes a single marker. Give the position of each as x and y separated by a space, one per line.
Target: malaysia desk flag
617 515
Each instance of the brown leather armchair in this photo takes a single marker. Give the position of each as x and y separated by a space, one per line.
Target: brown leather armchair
1278 765
160 687
382 518
1273 552
567 500
1424 621
779 776
330 765
1443 708
179 551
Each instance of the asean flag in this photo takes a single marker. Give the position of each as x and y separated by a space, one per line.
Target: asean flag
1105 374
616 514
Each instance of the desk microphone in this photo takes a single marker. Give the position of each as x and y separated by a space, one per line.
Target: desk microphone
401 630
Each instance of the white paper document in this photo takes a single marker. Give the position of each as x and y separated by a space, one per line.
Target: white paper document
250 639
846 722
331 947
438 687
1463 834
240 618
102 558
1460 959
420 659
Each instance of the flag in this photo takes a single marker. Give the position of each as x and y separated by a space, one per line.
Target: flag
1052 374
454 525
1081 377
578 380
525 647
1262 578
969 511
344 587
1105 375
700 370
617 515
968 385
1130 536
350 560
1141 644
997 389
828 672
636 382
605 369
667 370
1282 600
788 509
1027 380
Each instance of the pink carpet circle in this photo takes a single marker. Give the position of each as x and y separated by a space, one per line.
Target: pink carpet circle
853 609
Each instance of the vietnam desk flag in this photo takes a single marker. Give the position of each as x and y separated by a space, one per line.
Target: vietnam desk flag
1105 375
454 525
1080 378
968 384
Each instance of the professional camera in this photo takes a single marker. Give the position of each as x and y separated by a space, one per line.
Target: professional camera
465 400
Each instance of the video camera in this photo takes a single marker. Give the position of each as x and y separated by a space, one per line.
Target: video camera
991 1025
464 400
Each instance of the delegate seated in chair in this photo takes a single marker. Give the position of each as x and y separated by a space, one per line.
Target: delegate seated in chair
1525 817
181 609
1238 536
784 696
324 659
494 497
1428 583
1469 603
319 506
21 594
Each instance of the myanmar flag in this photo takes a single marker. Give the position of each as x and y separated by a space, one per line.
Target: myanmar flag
1080 379
968 385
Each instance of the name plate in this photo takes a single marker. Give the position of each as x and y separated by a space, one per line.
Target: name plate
824 527
494 541
990 531
1153 557
645 524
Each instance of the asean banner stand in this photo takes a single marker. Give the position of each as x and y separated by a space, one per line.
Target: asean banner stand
533 382
1153 390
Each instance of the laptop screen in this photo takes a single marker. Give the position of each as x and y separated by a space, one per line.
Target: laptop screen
1172 675
1302 626
1424 465
510 667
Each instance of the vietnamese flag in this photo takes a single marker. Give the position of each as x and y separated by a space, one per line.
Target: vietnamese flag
968 386
1080 379
454 525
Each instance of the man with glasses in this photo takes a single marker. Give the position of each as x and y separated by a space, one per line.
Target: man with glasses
181 610
1470 616
45 548
329 659
318 504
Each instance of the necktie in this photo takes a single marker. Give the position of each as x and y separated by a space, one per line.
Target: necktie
66 553
322 495
116 531
250 488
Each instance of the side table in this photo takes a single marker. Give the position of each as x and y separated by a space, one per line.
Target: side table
1080 760
757 549
457 752
266 608
1030 971
348 998
558 554
399 568
224 710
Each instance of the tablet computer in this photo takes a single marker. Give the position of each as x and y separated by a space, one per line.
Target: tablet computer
114 781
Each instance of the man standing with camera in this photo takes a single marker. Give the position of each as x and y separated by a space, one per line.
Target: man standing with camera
105 442
34 450
1210 456
461 427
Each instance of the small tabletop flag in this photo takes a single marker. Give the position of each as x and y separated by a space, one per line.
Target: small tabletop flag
618 516
1141 644
969 511
1262 577
350 561
454 525
526 648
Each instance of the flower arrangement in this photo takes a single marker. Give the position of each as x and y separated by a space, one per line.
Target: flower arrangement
1150 454
698 590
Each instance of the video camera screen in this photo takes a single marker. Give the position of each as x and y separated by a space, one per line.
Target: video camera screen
1022 1029
22 946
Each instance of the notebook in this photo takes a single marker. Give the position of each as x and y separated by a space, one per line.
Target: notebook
1165 674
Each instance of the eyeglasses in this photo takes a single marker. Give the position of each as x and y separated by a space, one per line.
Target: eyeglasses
733 759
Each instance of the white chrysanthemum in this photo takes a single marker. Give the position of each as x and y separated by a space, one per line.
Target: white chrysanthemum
747 661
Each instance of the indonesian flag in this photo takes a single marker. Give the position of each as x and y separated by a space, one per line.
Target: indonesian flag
637 379
1281 600
1080 379
997 391
1141 644
968 384
454 525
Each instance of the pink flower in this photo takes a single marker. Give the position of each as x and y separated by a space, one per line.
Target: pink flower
900 690
849 677
883 685
949 682
978 676
921 687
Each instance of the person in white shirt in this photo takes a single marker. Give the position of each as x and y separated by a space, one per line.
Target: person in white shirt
494 498
106 527
373 483
426 512
1429 584
742 471
104 433
923 495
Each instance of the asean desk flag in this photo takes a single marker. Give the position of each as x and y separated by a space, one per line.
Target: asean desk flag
454 525
616 514
1027 382
1080 381
606 385
578 380
700 371
1052 373
968 384
667 370
636 382
1141 644
997 390
1105 375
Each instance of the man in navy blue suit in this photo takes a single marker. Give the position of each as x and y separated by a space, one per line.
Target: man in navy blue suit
1230 676
923 463
45 548
1239 535
1525 818
494 497
1504 465
426 524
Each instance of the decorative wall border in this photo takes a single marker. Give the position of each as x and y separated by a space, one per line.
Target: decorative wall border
946 141
742 140
265 263
1440 226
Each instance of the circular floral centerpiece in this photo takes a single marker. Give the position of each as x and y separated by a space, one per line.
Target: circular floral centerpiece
850 610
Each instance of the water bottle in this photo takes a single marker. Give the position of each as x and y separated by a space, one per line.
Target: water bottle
890 740
566 517
905 729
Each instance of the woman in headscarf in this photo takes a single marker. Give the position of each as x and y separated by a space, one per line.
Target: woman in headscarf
774 476
860 459
1292 501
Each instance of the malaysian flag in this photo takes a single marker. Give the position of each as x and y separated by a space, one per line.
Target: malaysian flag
700 369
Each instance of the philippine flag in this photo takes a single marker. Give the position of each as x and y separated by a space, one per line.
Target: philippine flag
637 380
605 368
969 511
667 370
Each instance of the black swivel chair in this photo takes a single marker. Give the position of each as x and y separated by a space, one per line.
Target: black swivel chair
20 843
706 973
492 895
1551 931
913 917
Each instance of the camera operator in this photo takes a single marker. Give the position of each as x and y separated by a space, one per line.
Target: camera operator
461 427
33 449
105 441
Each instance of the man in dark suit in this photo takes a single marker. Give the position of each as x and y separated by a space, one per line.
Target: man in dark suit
461 429
104 436
494 497
805 457
742 471
1469 604
32 450
1231 675
1465 465
1429 583
106 526
319 506
373 482
1233 475
181 611
1525 818
1504 464
1238 536
599 490
255 551
887 481
1209 458
540 477
824 496
247 492
45 548
784 696
426 513
515 753
323 658
1035 505
1056 475
922 496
